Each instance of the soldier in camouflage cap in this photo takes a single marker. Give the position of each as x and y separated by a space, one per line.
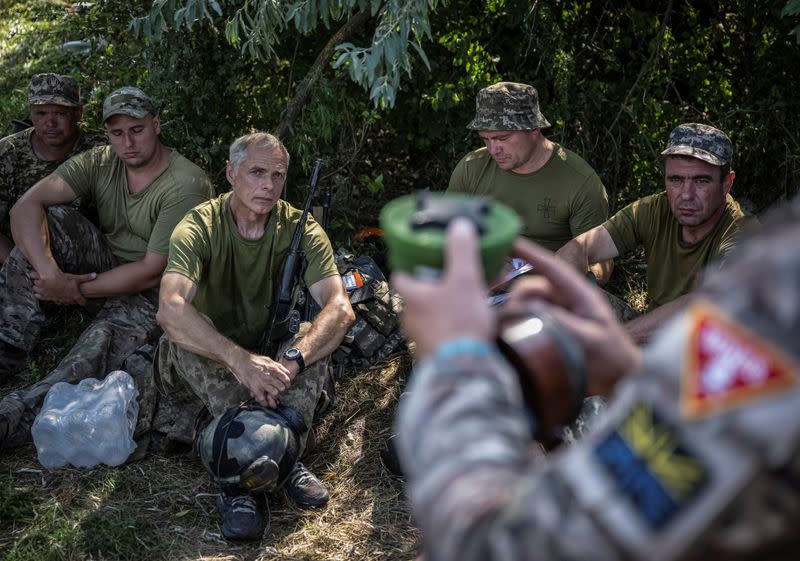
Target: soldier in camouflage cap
556 193
693 223
33 153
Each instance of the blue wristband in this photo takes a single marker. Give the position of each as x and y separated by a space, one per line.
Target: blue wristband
463 346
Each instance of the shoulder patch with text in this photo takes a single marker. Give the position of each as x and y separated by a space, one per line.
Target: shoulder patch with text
650 466
726 365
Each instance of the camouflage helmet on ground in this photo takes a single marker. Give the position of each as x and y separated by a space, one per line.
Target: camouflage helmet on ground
53 89
251 448
507 106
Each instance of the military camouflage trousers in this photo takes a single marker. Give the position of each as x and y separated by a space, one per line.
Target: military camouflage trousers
192 387
121 325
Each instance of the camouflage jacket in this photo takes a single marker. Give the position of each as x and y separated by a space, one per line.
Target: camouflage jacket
20 169
686 464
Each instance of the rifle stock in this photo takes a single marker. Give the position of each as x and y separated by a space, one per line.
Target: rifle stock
285 319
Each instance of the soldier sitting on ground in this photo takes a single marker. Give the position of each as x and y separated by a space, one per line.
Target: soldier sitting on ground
693 222
215 304
34 153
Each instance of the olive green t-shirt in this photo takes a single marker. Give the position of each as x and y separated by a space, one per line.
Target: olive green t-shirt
133 224
556 203
236 277
673 266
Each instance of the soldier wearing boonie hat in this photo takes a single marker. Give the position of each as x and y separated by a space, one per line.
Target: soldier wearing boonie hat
693 223
34 152
556 193
508 106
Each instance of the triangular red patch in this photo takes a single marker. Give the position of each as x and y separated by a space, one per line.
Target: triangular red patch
727 365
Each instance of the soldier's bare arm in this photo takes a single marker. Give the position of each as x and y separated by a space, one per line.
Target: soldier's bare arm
30 231
593 246
329 327
129 278
185 326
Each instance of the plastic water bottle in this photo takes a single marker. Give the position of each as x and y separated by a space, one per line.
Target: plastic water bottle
88 423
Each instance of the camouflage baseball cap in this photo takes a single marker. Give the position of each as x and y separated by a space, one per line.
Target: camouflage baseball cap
55 89
507 106
700 141
128 101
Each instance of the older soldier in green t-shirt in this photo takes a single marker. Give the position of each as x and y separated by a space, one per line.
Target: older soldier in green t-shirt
225 260
141 189
693 222
555 192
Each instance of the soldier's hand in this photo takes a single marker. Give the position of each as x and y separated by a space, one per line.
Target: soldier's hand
62 288
452 307
582 309
265 378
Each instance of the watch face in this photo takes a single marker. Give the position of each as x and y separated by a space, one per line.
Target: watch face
292 354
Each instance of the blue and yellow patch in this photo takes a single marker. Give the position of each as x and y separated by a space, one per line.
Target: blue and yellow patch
650 466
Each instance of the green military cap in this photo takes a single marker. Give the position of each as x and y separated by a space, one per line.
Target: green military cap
700 141
507 106
128 101
55 89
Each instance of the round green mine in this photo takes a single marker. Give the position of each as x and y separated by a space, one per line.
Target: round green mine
420 251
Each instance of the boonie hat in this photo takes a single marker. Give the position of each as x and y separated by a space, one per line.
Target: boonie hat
700 141
507 106
128 101
55 89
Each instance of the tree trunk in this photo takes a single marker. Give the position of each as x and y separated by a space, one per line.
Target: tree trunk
286 126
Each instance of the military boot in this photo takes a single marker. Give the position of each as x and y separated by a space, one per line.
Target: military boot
305 489
245 517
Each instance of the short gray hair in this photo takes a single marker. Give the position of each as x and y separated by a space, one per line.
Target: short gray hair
238 150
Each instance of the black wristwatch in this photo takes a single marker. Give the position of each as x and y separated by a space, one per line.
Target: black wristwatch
293 353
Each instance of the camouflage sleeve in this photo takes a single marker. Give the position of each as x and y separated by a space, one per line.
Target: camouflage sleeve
476 489
685 464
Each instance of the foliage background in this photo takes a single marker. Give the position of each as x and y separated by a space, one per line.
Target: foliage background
614 78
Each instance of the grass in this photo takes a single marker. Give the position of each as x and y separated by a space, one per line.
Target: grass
162 507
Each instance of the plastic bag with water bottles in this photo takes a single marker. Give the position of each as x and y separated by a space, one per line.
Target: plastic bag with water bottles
87 423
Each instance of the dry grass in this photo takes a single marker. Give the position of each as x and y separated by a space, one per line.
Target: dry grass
163 507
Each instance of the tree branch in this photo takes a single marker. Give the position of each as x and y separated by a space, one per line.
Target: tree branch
295 106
